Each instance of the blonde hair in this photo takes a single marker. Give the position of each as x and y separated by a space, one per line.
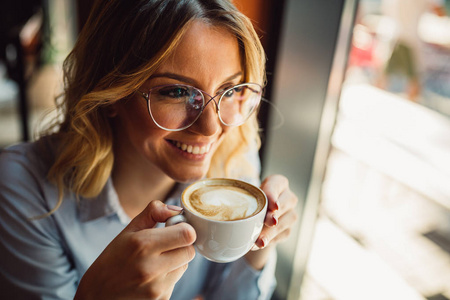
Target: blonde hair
95 79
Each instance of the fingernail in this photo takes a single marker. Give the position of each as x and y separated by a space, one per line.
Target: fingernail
175 208
274 219
263 242
277 205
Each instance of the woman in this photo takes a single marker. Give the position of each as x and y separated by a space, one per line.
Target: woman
80 208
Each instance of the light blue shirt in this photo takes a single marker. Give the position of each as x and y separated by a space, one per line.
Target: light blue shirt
46 258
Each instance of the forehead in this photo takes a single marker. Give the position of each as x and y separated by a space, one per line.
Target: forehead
205 53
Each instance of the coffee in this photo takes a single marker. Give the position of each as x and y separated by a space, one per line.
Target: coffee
224 202
227 215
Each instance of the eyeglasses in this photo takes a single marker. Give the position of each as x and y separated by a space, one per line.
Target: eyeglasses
176 107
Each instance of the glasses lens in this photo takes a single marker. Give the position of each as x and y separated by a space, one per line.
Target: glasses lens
175 106
238 103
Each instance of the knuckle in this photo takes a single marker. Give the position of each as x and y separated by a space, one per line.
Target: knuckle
140 246
284 180
280 179
294 217
283 236
186 234
145 273
144 276
153 205
287 232
136 242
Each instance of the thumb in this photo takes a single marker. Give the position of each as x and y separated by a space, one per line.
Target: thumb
155 212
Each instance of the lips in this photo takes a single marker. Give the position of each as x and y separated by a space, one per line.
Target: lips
193 149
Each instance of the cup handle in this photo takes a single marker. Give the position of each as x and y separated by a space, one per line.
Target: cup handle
175 220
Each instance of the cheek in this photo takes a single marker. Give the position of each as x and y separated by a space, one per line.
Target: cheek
136 123
226 131
135 111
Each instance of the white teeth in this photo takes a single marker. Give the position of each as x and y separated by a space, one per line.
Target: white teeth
196 150
193 149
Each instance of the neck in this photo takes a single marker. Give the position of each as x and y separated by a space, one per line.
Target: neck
137 185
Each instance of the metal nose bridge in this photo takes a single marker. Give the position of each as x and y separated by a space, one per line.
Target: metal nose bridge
211 99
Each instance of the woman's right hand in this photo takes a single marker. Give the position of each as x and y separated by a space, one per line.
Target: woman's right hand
142 262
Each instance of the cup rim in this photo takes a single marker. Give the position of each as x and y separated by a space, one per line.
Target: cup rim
266 202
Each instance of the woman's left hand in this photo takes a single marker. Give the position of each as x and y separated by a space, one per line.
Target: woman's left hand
281 216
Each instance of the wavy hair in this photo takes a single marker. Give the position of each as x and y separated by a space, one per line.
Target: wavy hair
121 45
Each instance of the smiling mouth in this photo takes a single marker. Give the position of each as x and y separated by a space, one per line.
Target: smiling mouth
192 149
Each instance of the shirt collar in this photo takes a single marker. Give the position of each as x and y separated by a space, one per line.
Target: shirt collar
107 204
104 205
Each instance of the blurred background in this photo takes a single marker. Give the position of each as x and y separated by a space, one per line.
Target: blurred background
358 121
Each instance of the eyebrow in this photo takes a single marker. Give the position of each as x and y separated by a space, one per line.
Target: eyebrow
189 80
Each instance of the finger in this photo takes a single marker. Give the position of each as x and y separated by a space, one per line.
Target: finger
282 236
271 219
273 186
287 221
288 201
162 287
168 238
155 212
168 263
160 276
174 276
269 234
173 259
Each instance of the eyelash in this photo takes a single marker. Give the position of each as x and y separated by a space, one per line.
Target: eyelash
227 86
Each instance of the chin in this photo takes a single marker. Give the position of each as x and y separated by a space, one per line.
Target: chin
187 177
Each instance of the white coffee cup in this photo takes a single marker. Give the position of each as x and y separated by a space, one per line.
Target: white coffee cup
223 240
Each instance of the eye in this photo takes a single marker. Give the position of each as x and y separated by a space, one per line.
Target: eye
236 89
175 92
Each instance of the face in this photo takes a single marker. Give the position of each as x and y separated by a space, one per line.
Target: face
206 58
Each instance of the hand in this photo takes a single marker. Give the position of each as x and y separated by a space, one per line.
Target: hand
281 216
142 262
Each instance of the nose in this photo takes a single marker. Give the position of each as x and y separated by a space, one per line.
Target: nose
208 123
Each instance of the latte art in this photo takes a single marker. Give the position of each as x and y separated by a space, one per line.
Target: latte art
224 203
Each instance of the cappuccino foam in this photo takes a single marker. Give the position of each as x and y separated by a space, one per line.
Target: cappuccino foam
223 203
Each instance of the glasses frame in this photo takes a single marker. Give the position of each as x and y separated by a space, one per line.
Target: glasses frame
146 96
